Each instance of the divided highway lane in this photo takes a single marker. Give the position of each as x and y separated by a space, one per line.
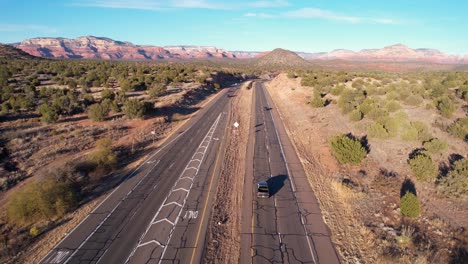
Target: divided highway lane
281 227
172 184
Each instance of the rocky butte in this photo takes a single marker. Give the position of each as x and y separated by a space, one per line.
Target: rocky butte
90 47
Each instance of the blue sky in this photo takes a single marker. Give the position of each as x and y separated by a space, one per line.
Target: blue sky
257 25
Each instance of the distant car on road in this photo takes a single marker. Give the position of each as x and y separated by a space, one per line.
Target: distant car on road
262 190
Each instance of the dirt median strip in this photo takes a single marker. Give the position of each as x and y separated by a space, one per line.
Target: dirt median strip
223 239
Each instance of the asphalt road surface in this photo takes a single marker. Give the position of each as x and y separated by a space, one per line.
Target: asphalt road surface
287 227
154 216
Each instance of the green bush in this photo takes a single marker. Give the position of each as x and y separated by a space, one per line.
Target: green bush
435 146
48 114
107 94
134 109
355 115
317 101
42 200
423 130
459 128
445 106
413 100
103 156
391 124
337 90
376 130
393 106
33 231
156 91
347 150
456 182
423 167
409 133
98 112
409 205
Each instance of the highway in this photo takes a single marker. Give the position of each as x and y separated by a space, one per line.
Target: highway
154 215
287 227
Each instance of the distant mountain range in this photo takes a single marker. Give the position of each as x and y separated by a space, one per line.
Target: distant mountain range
90 47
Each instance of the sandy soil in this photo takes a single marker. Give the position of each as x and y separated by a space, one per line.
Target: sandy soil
353 214
223 237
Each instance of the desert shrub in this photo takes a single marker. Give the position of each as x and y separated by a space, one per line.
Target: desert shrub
413 100
349 100
107 94
409 205
377 113
355 115
409 133
435 146
337 90
156 91
317 101
423 167
291 75
103 156
42 200
392 95
358 84
367 106
456 181
376 130
134 109
445 106
98 112
33 231
347 149
423 130
459 128
391 124
48 114
392 106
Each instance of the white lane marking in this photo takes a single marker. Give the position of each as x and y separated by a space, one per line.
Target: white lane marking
181 189
162 220
213 127
171 203
105 199
292 185
149 242
109 214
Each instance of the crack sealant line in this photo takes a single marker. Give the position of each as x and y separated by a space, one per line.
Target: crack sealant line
291 180
160 208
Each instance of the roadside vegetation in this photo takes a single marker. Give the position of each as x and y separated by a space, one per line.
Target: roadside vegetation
70 128
403 172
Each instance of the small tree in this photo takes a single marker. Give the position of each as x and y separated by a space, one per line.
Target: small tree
456 182
134 109
409 205
435 146
103 156
317 101
423 167
98 112
376 130
107 94
48 114
355 115
445 106
347 149
156 90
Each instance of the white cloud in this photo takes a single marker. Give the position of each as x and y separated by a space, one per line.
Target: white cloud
266 4
202 4
260 15
330 15
152 5
29 27
320 13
